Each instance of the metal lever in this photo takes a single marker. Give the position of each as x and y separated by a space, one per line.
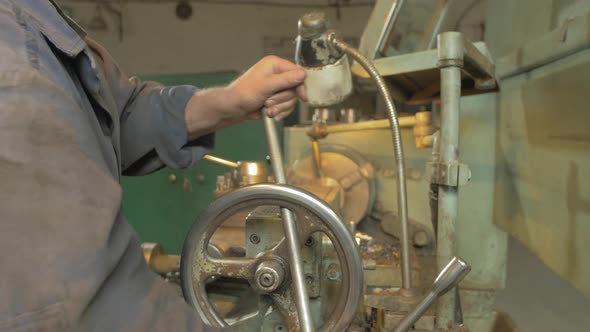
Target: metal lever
449 277
291 235
221 161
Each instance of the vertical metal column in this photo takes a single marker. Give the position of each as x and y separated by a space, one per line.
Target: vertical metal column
290 228
450 54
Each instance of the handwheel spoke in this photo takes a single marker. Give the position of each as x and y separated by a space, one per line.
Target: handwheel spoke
306 225
237 268
290 317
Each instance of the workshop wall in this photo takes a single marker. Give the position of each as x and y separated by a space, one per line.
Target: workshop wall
150 38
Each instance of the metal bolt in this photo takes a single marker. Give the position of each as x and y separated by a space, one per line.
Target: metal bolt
310 242
309 279
172 178
280 328
255 239
200 178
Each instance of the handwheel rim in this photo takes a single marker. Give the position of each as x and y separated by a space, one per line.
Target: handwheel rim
215 214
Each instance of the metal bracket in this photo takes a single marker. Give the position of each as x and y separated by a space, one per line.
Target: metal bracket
449 174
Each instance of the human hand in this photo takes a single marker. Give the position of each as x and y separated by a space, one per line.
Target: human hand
273 83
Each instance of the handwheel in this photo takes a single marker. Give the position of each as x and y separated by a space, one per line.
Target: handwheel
269 273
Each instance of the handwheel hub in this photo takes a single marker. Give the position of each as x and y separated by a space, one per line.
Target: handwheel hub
270 275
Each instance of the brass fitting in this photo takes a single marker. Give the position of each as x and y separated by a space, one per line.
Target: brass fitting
153 253
423 130
318 131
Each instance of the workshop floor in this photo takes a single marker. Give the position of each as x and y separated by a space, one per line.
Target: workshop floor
538 299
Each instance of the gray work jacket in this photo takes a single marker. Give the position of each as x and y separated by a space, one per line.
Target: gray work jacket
71 123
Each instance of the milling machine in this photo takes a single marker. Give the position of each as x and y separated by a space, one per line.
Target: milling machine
360 232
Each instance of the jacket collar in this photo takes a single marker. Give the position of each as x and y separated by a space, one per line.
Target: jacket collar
56 26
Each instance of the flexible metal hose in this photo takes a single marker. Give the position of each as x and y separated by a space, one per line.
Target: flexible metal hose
402 201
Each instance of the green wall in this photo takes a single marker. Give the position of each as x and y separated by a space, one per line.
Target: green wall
162 210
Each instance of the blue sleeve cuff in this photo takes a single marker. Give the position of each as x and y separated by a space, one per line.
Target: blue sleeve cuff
171 144
157 136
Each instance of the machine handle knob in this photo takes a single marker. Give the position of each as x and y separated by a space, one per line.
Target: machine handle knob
448 278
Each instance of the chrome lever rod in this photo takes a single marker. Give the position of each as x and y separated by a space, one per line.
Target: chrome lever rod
449 277
291 235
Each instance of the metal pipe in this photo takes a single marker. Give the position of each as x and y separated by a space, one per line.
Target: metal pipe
321 130
441 19
399 156
291 235
221 161
381 46
448 278
450 61
317 157
404 122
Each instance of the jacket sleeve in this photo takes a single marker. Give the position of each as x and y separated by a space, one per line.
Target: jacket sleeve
153 130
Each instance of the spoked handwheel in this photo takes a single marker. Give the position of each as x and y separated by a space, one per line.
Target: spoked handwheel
268 273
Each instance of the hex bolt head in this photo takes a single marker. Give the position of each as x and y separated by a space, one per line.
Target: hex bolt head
255 239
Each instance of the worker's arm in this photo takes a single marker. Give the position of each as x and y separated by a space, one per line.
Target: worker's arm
174 126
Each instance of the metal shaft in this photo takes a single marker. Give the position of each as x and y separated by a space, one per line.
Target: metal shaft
404 121
291 235
402 201
381 47
449 50
221 161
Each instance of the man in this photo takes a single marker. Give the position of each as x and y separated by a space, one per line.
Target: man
71 123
